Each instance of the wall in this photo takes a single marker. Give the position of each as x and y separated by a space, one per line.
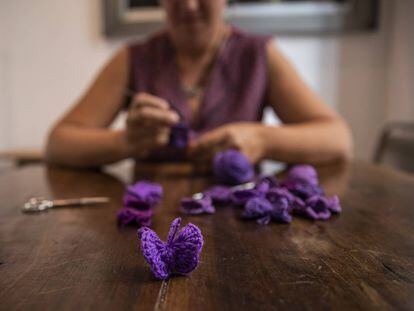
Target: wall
3 86
400 103
51 50
49 54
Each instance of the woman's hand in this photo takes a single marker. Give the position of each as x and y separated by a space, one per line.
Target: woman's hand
244 137
148 124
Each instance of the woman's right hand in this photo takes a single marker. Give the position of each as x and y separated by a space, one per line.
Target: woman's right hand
148 124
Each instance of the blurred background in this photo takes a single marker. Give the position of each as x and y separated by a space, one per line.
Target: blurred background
50 51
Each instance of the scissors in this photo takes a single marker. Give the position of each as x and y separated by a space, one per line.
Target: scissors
39 204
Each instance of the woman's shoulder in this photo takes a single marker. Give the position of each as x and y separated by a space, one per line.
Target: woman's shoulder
244 45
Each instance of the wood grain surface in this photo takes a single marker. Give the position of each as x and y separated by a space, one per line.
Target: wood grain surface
77 258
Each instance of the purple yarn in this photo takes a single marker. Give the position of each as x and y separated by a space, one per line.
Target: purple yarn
219 194
197 204
179 135
179 255
303 172
232 167
127 216
143 195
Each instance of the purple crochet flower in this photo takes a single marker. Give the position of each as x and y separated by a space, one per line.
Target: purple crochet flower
142 195
315 208
219 194
197 204
179 255
179 135
303 172
240 197
258 208
263 210
274 194
259 187
333 204
262 186
232 167
302 189
244 192
127 216
281 209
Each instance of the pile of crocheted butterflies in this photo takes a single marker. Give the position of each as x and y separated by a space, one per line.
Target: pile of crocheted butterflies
263 198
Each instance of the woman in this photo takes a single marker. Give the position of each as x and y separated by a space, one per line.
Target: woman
214 76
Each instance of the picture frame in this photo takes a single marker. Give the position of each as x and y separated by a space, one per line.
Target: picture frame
295 17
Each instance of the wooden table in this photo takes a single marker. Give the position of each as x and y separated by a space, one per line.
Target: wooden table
78 258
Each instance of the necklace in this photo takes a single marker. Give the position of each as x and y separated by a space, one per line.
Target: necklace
191 91
194 91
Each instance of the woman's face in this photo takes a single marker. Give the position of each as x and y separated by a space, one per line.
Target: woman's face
193 21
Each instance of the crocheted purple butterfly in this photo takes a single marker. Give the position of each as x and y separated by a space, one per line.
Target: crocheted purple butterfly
197 204
139 200
179 255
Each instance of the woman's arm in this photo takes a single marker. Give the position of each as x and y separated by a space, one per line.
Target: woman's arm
82 138
311 131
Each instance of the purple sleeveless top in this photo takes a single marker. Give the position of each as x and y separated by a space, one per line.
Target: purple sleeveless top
234 92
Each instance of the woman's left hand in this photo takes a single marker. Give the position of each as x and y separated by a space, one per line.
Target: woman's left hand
243 136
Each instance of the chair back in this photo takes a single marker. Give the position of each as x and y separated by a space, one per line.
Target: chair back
396 146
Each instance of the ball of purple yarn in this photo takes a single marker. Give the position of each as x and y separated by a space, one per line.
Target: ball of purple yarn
232 167
303 172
